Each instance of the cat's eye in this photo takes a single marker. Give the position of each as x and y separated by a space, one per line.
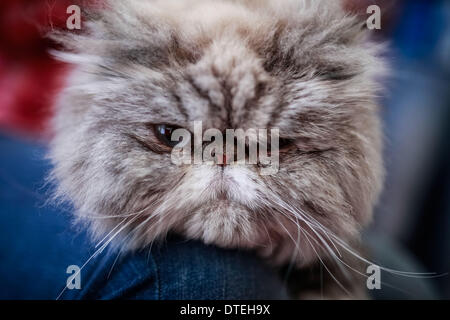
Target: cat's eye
285 143
336 74
164 134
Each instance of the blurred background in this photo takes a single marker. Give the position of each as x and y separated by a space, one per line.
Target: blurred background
413 213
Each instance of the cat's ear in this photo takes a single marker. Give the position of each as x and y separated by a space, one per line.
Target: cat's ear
109 29
122 33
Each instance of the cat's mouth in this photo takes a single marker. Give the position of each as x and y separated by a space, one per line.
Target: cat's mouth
213 189
222 196
233 186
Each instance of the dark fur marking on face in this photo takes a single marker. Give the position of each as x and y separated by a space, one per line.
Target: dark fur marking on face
179 104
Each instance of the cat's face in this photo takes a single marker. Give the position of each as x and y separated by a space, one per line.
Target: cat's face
299 66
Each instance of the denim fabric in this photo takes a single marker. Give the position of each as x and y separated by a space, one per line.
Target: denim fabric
181 269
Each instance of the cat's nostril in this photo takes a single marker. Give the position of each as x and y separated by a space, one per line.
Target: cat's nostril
240 150
224 161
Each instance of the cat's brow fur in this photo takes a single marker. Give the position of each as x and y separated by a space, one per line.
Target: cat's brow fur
305 67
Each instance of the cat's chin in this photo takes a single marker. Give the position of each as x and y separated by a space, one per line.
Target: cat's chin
231 225
221 222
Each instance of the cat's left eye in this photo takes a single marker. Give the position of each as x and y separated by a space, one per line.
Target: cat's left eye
285 143
336 74
164 134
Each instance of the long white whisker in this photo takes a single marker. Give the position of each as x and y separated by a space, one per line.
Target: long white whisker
317 254
325 266
97 252
302 218
310 224
347 248
111 231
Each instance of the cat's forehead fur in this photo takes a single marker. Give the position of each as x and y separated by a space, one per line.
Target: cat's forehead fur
216 60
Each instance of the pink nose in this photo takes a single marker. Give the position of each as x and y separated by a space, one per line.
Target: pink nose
224 160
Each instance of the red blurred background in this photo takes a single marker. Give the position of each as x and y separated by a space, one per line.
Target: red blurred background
29 76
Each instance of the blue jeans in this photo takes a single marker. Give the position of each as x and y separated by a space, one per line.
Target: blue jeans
180 270
38 244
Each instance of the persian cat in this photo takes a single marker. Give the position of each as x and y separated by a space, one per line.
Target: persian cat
144 68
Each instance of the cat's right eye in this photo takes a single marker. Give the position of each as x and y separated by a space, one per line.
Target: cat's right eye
164 134
285 143
336 74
